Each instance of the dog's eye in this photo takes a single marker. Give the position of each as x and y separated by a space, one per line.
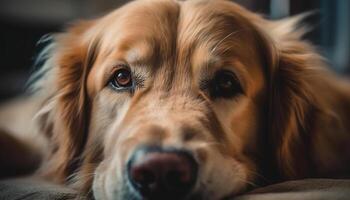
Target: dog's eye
122 79
225 84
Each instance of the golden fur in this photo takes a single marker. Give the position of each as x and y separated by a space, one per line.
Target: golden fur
290 122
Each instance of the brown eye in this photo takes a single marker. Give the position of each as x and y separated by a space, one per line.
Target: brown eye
122 79
225 84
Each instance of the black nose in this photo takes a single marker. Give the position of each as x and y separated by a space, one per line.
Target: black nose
162 174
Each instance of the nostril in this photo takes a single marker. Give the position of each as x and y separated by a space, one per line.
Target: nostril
176 179
162 174
143 177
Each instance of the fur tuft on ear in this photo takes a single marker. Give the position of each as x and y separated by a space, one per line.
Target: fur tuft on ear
289 27
65 114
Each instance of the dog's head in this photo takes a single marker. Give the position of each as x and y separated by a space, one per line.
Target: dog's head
171 100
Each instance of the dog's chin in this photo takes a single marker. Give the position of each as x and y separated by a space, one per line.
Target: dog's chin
130 195
105 188
126 191
112 184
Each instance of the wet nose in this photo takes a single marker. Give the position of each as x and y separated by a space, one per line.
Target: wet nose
162 174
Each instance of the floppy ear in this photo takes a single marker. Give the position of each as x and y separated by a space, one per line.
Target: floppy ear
293 108
65 114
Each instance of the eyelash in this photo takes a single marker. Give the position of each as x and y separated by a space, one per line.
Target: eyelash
139 80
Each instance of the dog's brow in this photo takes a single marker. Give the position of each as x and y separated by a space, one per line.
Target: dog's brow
139 55
203 59
134 58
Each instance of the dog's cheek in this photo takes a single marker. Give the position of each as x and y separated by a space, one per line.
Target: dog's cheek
246 124
110 177
240 119
109 108
230 172
105 184
108 111
97 185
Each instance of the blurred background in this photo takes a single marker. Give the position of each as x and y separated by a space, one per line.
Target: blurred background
24 22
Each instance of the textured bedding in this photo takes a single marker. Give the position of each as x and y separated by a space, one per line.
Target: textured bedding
308 189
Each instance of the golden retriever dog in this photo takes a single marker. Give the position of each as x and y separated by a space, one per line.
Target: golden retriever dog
198 99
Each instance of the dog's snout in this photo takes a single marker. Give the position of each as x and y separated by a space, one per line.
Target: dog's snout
161 174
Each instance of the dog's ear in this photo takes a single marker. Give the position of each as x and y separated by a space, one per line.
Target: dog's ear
294 70
65 114
292 109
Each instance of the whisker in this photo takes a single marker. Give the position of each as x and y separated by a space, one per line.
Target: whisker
248 182
258 175
222 40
